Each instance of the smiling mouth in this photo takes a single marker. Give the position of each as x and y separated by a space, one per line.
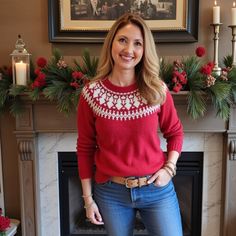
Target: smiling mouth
127 57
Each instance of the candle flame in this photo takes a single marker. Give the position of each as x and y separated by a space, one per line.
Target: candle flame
233 4
215 3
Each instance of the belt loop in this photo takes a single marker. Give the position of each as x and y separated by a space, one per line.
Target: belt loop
139 183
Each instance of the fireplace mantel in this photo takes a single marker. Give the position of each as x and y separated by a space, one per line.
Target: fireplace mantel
42 116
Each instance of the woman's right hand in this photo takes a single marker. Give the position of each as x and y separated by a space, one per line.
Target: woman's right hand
92 212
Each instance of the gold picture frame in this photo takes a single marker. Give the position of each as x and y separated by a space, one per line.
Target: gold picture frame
76 21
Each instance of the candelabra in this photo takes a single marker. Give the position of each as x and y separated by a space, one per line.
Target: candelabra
233 27
216 28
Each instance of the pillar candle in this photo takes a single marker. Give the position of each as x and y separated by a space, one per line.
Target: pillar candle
216 14
21 75
233 10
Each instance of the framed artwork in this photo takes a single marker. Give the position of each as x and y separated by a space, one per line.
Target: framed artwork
88 21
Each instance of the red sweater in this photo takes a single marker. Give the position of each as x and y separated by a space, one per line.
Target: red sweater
117 131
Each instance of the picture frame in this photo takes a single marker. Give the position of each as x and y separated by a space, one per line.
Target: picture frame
183 28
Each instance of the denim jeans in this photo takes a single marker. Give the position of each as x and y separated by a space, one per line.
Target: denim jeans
158 208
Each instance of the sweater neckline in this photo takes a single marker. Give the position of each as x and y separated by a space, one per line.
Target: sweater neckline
122 89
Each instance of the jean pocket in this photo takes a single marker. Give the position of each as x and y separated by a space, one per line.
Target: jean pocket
160 186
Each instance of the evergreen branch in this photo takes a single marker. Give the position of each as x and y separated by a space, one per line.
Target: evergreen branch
56 56
228 61
166 71
196 82
196 104
55 90
223 109
65 103
89 66
5 84
55 73
16 90
220 90
75 97
16 107
35 94
3 97
192 66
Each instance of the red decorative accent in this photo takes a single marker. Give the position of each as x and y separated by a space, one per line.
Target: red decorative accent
200 51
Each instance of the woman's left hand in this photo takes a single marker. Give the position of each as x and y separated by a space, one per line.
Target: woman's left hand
160 178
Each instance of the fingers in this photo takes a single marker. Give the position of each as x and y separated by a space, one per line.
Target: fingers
96 219
153 178
94 215
160 178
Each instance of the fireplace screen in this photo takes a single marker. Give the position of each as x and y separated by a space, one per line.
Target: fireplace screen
188 185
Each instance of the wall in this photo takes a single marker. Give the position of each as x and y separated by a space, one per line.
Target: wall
29 18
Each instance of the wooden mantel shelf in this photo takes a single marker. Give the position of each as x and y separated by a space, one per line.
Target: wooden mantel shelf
42 116
46 117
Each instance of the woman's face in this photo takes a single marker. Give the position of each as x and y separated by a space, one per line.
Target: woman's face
127 47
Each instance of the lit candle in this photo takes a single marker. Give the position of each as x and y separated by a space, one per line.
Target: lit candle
233 10
21 73
216 14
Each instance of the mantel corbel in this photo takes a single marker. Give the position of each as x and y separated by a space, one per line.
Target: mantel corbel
232 150
229 210
231 134
26 143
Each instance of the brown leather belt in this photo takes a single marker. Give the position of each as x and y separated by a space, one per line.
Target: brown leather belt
131 182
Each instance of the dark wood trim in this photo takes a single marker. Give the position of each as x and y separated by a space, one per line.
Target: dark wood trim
56 35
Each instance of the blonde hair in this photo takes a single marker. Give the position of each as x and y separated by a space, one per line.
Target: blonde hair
150 85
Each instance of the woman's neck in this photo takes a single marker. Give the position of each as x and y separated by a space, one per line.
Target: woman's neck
122 78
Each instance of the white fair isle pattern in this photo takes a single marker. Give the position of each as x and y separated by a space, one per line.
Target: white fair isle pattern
116 105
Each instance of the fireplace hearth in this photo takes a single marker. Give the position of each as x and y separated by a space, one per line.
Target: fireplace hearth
188 184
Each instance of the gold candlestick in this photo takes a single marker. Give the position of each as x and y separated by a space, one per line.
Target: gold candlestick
233 27
216 28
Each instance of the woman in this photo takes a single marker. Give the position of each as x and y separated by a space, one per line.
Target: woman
119 114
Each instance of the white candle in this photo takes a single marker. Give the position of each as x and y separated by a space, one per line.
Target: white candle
216 14
21 73
233 10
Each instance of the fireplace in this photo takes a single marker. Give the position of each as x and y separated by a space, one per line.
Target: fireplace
188 184
39 140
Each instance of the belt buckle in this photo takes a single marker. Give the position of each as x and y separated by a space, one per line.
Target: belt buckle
126 181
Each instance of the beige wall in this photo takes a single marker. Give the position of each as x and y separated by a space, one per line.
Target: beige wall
29 18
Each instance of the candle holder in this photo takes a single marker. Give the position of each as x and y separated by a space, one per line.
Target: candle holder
20 63
233 27
216 28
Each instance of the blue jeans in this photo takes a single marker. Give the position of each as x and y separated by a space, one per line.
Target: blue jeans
158 208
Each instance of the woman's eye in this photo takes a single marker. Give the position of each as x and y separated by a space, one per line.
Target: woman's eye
122 40
138 44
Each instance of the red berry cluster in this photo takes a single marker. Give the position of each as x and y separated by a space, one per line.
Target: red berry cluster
4 222
40 80
77 76
179 78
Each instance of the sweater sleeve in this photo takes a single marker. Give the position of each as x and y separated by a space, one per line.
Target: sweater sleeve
86 142
170 125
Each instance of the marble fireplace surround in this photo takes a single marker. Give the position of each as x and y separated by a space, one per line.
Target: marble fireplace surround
42 131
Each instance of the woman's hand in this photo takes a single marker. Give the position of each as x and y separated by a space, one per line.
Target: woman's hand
92 212
160 178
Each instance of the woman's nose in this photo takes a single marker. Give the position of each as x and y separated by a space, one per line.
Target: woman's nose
129 47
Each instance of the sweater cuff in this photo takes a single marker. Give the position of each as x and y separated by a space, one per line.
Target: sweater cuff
174 147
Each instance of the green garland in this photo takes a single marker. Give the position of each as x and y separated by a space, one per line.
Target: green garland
54 80
220 89
57 81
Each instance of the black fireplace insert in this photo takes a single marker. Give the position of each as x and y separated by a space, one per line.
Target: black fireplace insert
188 185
